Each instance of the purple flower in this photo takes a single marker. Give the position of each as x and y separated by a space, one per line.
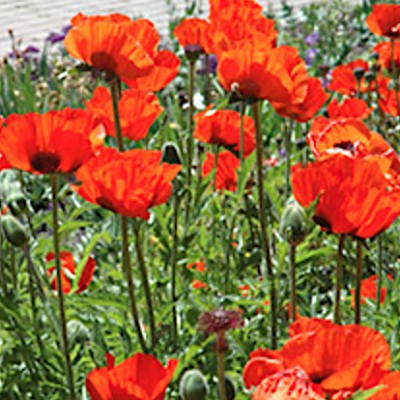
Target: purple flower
31 49
312 39
310 55
212 59
55 37
220 320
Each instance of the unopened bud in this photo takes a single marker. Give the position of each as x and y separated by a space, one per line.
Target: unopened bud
358 72
230 388
171 154
292 225
369 76
16 201
193 386
13 230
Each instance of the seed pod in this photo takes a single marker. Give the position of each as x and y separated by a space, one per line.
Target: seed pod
16 200
13 230
358 73
193 386
230 388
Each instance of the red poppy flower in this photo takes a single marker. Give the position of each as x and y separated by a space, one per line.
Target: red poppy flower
369 290
390 389
197 265
192 34
389 99
166 63
140 377
384 51
349 134
291 384
255 73
336 357
353 195
223 127
166 67
127 183
137 111
384 20
104 42
306 109
248 7
57 141
237 23
350 108
343 79
196 284
68 272
227 164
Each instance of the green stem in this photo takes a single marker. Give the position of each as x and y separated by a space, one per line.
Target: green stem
2 266
207 95
60 294
126 262
357 316
339 279
293 295
31 288
379 273
288 150
190 140
264 227
145 282
174 254
242 107
221 369
215 167
395 74
13 268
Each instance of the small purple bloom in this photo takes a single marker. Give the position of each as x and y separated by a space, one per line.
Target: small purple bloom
31 49
212 59
312 39
310 55
55 37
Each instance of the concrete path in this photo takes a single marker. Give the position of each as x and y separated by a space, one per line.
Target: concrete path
34 20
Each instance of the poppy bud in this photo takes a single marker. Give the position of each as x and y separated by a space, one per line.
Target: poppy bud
171 154
369 76
358 73
13 230
193 386
78 332
292 225
16 200
230 388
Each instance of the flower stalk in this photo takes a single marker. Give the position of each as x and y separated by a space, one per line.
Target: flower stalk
339 279
263 225
357 315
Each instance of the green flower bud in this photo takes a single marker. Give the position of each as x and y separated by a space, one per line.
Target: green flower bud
193 386
358 73
230 388
369 76
13 230
77 331
16 201
292 224
171 154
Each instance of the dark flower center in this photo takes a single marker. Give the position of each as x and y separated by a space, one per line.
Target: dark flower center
346 145
45 162
103 61
105 203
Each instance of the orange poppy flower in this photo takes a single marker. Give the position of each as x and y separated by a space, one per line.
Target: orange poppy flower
343 79
227 164
369 290
127 183
4 164
350 108
336 357
234 23
192 34
305 110
353 196
219 7
141 376
137 111
103 42
166 63
223 127
197 265
68 272
196 284
166 67
384 20
389 99
253 73
291 384
384 51
349 134
57 141
390 389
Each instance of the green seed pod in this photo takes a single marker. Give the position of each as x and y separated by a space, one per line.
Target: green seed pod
13 230
16 200
230 388
369 76
193 386
292 224
171 154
